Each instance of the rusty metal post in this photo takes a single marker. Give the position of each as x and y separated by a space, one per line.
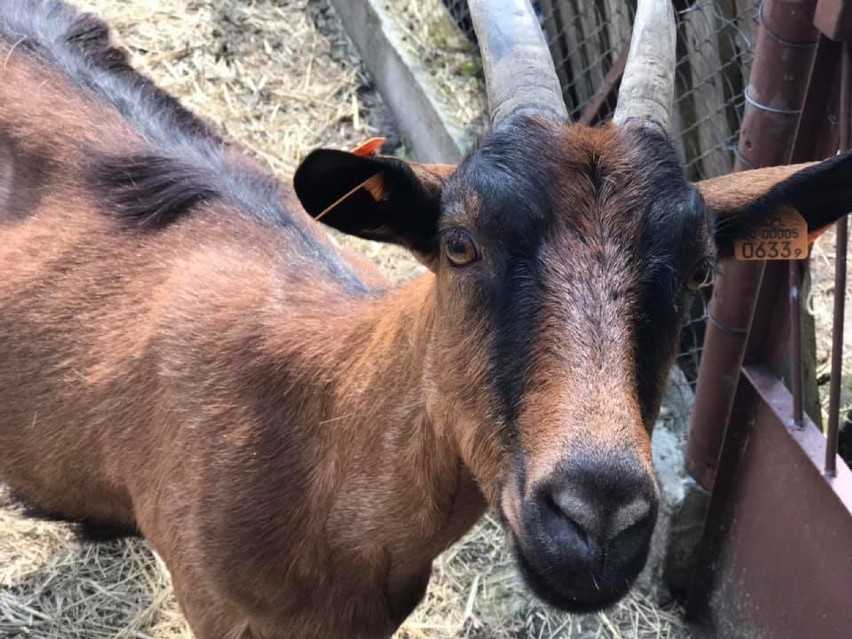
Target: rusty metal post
784 56
839 286
606 92
794 289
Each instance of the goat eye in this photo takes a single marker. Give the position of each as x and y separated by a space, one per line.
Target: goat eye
701 276
460 248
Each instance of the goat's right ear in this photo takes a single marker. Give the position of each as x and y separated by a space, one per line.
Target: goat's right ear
377 198
821 192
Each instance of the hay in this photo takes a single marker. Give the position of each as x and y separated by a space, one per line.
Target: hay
449 62
821 304
279 77
53 587
476 592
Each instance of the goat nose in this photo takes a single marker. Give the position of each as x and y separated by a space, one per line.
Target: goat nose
586 531
601 510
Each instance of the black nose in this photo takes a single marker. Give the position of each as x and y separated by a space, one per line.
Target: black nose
587 531
598 509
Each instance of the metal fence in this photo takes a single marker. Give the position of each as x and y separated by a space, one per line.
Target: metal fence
588 41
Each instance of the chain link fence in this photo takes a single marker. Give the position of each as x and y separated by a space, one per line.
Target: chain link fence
588 41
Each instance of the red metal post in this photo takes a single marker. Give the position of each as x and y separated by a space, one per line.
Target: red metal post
839 287
784 55
794 289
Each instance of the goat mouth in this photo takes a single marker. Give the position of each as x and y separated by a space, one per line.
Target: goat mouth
563 596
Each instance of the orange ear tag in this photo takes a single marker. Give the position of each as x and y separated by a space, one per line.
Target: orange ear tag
783 237
370 147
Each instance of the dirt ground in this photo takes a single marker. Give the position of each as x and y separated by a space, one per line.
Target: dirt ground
278 77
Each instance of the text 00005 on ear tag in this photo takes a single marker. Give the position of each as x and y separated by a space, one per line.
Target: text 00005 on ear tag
783 237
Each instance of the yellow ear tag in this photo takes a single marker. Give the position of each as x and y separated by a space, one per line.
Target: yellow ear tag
783 237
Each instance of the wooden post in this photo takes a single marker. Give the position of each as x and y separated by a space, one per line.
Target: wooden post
574 37
554 32
700 28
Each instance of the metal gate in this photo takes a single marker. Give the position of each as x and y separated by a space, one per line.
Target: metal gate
776 557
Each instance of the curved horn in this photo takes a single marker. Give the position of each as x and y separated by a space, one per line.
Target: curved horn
647 87
519 72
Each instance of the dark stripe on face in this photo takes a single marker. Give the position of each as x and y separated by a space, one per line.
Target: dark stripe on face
672 243
515 304
513 197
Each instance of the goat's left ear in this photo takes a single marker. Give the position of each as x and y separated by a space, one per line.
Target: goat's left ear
820 191
377 198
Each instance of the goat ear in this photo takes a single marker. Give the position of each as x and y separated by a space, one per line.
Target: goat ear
377 198
820 191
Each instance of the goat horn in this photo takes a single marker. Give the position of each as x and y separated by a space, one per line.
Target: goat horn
519 72
647 87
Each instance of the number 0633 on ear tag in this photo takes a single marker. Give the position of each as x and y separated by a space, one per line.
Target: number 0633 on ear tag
782 237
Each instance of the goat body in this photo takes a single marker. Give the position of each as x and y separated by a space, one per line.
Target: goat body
230 385
184 354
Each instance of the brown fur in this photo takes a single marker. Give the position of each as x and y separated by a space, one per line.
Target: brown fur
108 382
734 192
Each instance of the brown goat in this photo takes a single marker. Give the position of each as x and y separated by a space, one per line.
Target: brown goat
184 354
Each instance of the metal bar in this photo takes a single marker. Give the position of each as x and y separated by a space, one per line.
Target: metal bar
839 289
836 350
784 56
729 320
817 136
794 287
770 334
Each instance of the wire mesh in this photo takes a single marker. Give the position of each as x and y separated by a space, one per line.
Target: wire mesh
715 45
588 41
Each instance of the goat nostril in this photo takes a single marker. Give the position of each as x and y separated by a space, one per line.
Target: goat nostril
626 517
571 512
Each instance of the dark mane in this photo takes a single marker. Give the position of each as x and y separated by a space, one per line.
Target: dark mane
185 165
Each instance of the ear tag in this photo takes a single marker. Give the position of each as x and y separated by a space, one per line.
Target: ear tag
783 237
374 185
370 147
